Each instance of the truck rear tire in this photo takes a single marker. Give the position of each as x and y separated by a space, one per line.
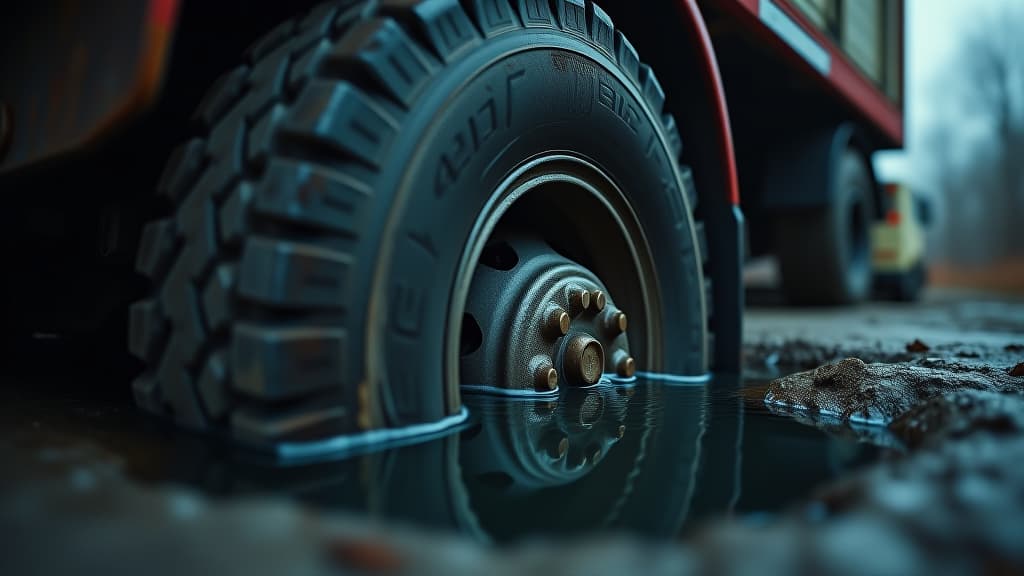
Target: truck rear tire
305 278
824 252
905 286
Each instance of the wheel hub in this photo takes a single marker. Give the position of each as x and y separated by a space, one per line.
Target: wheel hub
535 319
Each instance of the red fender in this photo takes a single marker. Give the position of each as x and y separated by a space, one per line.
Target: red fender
87 68
700 44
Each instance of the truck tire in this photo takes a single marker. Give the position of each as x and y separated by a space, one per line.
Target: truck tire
905 286
306 277
824 252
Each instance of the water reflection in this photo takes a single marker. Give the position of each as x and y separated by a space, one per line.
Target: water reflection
647 458
629 461
609 458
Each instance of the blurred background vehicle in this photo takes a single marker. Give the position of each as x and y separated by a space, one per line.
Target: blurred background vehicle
898 257
810 103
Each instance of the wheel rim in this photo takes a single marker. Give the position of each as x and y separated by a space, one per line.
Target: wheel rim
555 233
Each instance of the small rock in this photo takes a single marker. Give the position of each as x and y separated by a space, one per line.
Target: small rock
1014 348
1017 370
845 372
364 555
918 346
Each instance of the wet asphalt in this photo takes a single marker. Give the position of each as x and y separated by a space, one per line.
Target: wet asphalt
600 482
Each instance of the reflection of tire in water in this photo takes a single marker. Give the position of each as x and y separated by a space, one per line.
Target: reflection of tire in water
509 474
531 445
604 458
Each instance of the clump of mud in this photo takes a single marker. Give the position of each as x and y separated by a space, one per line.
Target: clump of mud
959 414
853 390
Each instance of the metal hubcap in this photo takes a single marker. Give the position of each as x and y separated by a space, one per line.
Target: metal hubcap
535 318
553 265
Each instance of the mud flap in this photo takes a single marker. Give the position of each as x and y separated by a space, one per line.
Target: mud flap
725 228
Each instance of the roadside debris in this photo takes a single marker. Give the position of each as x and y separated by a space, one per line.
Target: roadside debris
877 393
958 414
364 554
917 346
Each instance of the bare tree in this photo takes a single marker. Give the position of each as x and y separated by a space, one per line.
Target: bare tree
992 70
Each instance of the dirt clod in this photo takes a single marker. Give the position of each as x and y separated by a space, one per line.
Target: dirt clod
364 555
918 346
958 414
851 390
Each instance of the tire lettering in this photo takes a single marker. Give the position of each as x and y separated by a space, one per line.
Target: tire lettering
423 240
618 105
471 135
407 306
510 82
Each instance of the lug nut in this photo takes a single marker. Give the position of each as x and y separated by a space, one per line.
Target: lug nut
584 359
555 445
544 407
557 321
545 377
626 366
579 300
563 447
616 322
599 300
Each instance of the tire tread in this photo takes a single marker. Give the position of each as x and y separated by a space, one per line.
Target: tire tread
317 104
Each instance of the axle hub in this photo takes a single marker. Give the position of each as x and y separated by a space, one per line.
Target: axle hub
535 319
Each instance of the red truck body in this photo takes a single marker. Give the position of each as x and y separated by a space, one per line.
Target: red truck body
78 72
782 27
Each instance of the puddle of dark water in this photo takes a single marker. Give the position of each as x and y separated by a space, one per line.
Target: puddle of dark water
651 458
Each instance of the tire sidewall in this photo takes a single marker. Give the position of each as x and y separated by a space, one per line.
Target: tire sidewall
517 95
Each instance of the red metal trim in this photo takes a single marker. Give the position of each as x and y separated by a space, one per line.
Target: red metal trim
162 12
715 93
844 78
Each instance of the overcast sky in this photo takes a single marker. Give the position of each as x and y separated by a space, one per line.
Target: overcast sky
935 30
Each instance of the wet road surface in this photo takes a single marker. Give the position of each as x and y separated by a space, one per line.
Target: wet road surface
644 458
114 490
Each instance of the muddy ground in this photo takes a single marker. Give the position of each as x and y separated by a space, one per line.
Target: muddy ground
950 324
947 498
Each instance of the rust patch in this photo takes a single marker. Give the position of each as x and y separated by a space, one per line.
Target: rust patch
364 555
